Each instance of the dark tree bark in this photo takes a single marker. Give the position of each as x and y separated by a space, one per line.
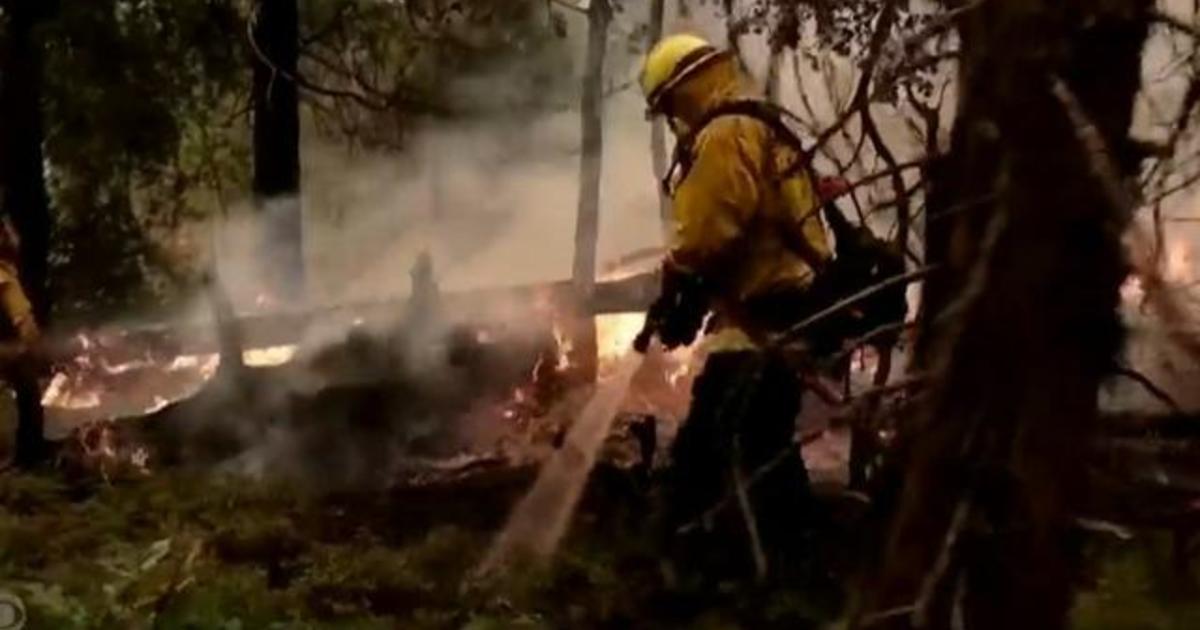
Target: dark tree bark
587 222
1021 325
24 192
277 144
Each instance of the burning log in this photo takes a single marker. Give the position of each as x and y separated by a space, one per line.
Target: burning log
364 403
629 294
344 415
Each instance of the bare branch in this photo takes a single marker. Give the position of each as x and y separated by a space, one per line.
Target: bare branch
1187 182
890 283
1100 159
883 27
359 98
1150 386
881 331
898 187
938 25
856 147
889 172
1175 22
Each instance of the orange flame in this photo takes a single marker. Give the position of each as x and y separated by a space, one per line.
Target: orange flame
565 347
615 334
1180 266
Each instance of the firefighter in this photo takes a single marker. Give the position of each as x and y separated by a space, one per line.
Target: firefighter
748 242
19 352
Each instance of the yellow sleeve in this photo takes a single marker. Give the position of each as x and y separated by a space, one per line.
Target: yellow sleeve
18 309
716 198
804 212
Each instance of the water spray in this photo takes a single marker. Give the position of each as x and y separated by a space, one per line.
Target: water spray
541 518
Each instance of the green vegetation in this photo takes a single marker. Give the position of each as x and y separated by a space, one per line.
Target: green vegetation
175 551
148 115
1137 588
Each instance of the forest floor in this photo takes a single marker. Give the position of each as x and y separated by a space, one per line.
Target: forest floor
177 551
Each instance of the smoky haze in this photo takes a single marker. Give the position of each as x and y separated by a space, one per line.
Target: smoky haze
493 199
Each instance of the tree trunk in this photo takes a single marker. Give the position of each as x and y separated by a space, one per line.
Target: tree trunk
277 146
587 223
658 128
25 199
1022 323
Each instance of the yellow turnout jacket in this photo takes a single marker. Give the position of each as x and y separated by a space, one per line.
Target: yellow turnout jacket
16 306
736 223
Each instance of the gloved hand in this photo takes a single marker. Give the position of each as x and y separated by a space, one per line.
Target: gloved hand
678 314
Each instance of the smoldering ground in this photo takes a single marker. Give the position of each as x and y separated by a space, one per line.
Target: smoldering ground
362 397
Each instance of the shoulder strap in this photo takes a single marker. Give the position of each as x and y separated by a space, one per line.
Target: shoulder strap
775 118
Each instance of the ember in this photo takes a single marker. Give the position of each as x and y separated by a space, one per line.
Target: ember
564 345
268 357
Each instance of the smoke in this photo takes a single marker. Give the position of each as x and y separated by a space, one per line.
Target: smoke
492 200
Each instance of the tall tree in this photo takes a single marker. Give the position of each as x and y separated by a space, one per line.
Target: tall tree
144 110
587 222
25 198
24 182
276 42
1026 213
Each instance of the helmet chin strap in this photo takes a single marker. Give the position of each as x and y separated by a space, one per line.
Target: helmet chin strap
678 127
667 111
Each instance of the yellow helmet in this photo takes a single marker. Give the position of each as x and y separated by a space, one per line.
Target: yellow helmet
669 62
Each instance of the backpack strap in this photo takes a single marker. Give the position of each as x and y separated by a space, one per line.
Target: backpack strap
775 118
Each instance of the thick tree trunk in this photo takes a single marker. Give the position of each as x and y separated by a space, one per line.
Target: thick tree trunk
277 145
1022 323
25 199
587 222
